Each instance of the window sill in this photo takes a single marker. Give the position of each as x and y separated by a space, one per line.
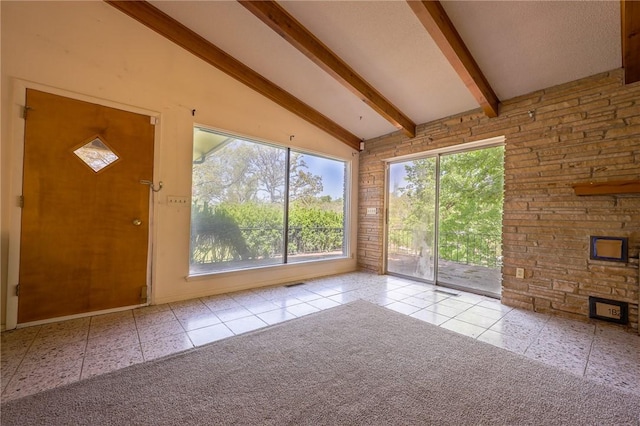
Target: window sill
235 272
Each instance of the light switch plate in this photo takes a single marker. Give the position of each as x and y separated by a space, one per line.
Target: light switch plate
174 200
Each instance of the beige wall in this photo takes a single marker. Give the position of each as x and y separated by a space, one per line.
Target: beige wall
583 131
91 49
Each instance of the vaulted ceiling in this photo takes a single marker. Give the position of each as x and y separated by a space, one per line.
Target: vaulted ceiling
362 69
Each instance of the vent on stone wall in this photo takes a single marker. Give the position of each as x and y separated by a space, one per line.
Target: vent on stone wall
612 249
608 310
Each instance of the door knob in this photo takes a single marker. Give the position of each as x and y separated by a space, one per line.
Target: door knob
137 222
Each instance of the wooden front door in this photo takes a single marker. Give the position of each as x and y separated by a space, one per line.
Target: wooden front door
85 216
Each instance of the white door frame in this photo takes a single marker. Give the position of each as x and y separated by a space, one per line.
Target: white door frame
17 126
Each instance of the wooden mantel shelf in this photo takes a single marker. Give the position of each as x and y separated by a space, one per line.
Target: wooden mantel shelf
608 188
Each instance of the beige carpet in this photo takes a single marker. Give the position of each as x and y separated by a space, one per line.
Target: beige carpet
354 364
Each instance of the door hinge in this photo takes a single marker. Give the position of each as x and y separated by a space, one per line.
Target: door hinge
143 294
18 290
153 120
21 201
25 111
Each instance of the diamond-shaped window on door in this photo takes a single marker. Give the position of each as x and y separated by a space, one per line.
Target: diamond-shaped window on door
96 154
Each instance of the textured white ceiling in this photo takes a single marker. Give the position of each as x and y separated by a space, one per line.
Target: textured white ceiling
233 29
521 46
386 44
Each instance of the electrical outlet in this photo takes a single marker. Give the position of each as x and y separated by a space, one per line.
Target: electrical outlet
174 200
520 273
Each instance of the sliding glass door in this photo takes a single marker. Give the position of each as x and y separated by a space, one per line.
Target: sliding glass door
412 218
445 219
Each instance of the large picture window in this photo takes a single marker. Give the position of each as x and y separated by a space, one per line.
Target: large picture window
256 204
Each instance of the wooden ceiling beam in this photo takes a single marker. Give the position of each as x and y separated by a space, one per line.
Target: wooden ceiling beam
279 20
173 30
630 20
435 20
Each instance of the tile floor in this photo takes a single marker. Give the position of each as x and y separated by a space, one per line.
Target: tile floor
41 357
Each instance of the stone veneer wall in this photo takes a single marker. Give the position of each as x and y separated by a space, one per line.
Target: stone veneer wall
587 130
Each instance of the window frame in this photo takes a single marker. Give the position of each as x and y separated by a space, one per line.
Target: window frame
346 207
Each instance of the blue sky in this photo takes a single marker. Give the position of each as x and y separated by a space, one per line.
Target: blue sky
332 172
397 175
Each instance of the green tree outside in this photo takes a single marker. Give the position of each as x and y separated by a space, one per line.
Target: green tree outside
238 206
470 205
